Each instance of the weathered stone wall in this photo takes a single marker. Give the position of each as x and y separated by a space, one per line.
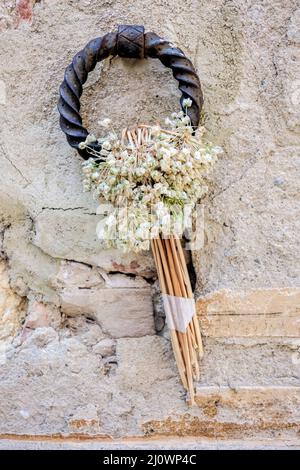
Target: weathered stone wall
79 351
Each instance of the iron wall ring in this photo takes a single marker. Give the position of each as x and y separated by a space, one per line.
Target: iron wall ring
131 42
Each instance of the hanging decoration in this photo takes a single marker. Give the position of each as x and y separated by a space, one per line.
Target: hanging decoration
151 176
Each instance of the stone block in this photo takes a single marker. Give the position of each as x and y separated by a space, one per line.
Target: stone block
253 312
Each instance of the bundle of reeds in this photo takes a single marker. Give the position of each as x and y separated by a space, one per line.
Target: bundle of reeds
174 281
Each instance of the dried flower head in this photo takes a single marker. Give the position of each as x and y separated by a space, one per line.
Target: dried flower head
148 180
187 103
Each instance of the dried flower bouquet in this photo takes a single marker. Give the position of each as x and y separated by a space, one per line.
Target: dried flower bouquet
150 175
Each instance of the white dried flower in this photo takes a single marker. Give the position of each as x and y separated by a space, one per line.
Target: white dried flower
106 145
186 151
140 171
186 120
169 122
187 103
91 139
207 157
110 220
155 130
164 174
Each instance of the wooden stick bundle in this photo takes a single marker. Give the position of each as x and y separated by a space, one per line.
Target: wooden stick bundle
174 281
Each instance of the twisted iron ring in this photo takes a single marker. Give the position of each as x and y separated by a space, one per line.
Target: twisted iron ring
131 42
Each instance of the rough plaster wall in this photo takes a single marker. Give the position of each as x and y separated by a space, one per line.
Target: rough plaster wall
86 358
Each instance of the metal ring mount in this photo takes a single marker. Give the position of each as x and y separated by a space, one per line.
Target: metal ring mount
132 42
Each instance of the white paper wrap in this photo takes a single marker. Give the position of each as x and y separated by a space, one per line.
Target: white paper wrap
179 311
